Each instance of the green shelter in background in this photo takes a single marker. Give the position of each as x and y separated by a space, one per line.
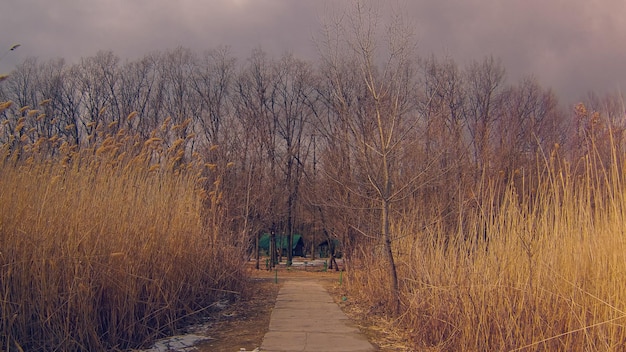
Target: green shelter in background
282 242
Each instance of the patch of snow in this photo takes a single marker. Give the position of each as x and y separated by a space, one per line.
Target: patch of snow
221 304
180 343
185 342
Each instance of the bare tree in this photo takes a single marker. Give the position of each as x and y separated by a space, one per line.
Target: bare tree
294 103
20 88
253 104
96 78
529 124
384 120
212 81
446 141
138 87
485 82
61 112
47 95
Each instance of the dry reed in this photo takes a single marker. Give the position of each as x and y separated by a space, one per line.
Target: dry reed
548 275
105 247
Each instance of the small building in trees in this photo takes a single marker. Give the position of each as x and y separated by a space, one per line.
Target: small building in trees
327 248
282 243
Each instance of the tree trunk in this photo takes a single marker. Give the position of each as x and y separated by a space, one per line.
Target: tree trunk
256 246
393 275
313 244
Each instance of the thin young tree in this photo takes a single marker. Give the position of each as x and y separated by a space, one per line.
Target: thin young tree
381 122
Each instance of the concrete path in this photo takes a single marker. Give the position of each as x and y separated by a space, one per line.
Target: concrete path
305 318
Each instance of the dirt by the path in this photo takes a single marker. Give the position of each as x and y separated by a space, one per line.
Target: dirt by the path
243 324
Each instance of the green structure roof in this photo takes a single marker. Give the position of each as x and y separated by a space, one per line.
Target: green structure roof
281 240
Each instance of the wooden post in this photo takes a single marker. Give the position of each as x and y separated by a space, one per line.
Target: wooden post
272 249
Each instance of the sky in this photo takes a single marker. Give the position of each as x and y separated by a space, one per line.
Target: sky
570 46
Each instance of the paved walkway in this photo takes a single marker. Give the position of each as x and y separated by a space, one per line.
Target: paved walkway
305 318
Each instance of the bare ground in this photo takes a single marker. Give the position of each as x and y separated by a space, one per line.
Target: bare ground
243 324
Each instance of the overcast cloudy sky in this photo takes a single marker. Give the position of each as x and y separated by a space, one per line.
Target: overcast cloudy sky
572 46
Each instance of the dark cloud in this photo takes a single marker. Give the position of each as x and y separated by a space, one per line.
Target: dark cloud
572 46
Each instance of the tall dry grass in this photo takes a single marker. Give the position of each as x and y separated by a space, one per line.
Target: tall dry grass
548 277
105 247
